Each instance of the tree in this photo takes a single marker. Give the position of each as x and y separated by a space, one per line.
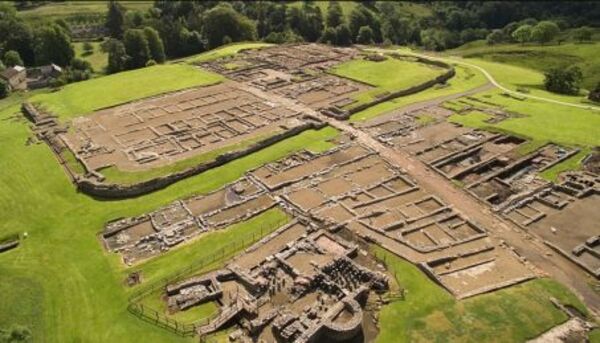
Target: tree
18 36
335 16
117 56
136 47
544 32
12 58
495 37
563 80
4 90
115 19
362 16
343 36
329 36
365 35
53 45
222 20
522 34
583 33
595 94
155 44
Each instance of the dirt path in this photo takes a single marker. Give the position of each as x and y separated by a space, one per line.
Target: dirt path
496 83
534 250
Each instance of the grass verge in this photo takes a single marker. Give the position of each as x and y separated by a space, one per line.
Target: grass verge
430 314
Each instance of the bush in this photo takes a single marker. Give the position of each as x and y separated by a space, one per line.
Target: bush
595 94
12 58
563 80
16 333
150 63
4 90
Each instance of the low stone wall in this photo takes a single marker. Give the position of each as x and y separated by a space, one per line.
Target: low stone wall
118 191
408 91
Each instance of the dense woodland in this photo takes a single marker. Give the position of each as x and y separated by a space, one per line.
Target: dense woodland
173 29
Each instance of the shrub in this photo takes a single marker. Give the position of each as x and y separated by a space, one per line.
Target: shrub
4 90
150 63
595 94
563 80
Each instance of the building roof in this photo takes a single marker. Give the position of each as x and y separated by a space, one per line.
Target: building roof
9 73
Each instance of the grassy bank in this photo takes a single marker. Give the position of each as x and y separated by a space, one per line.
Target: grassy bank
430 314
464 80
84 97
387 76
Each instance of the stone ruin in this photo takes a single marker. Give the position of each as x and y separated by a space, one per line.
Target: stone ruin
144 236
301 284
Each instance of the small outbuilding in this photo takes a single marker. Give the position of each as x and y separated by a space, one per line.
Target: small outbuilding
16 77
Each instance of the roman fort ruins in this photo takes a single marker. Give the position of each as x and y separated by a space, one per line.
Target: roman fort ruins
454 201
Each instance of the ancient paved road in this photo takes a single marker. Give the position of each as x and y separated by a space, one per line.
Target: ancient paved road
545 260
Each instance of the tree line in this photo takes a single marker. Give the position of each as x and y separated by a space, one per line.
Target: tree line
173 29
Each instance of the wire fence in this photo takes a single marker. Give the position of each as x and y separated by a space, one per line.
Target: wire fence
204 264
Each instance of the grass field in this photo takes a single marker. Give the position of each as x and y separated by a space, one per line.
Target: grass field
314 140
540 121
84 97
386 76
540 58
224 51
76 9
98 58
60 282
430 314
522 67
465 79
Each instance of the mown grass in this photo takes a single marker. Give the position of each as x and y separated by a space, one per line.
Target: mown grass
60 282
230 240
387 76
543 121
224 51
572 163
465 79
98 58
84 97
314 140
430 314
472 119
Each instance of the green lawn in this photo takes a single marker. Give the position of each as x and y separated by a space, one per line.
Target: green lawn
84 97
543 121
98 58
572 163
430 314
540 58
60 282
465 79
224 51
386 76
